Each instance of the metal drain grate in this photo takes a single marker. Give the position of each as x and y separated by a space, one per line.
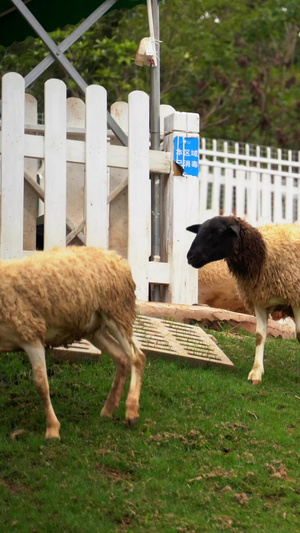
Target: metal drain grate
173 340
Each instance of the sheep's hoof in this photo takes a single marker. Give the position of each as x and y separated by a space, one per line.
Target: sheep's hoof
52 436
132 421
52 431
106 412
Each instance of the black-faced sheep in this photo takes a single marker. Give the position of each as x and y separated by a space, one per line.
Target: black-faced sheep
56 297
265 264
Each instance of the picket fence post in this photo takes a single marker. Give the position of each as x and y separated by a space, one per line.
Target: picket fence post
55 164
12 166
139 195
181 202
96 186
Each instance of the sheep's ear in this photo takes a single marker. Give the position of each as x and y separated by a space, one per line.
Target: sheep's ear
235 228
194 228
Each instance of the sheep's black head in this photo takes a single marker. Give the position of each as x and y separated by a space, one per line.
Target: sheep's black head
215 240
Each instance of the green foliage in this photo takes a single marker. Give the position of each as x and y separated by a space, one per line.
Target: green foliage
237 64
210 453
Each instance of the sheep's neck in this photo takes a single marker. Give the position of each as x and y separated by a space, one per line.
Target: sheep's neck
249 253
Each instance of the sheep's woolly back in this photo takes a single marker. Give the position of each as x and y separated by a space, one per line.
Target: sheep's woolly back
267 263
218 288
64 288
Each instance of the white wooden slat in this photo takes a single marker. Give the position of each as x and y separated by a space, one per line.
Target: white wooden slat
240 193
184 278
117 156
139 195
278 193
164 111
55 164
12 166
216 188
203 186
181 208
252 198
203 179
298 207
96 185
265 215
289 199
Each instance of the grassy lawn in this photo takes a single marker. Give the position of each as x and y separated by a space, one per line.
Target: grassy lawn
211 452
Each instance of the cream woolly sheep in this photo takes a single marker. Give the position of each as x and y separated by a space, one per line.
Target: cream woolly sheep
265 264
56 297
217 288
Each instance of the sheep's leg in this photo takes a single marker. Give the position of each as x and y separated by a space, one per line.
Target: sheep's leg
36 354
137 362
261 335
296 311
105 342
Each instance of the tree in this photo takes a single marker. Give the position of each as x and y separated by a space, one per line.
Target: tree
237 64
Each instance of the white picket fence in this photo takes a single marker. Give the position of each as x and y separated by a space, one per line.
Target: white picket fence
260 184
90 190
80 179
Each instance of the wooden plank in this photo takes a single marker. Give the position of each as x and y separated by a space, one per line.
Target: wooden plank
30 199
117 156
75 232
139 195
96 184
71 226
118 188
12 166
55 164
75 171
34 185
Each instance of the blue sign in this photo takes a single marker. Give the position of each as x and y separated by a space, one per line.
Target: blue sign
186 154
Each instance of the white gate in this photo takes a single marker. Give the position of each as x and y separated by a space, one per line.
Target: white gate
84 170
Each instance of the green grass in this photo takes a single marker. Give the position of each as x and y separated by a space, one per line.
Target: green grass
211 452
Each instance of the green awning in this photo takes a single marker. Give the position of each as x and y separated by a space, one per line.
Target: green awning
51 14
